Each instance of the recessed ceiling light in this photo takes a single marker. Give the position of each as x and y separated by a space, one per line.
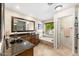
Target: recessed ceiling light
58 7
17 7
50 4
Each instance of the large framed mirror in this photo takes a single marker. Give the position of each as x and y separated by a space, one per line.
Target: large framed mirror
22 25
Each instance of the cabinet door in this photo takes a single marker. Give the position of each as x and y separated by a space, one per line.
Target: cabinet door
28 52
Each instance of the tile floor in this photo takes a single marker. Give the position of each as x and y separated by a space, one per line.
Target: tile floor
44 50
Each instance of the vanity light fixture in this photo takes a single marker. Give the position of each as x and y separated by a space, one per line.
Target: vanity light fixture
58 7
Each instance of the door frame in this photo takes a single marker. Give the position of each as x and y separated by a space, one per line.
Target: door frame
2 42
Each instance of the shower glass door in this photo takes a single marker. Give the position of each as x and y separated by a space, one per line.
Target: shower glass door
66 32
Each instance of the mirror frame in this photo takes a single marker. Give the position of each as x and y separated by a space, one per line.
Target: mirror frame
12 22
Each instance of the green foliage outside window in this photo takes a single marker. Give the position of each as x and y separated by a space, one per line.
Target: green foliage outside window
49 26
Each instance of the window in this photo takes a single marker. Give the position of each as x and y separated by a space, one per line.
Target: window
49 26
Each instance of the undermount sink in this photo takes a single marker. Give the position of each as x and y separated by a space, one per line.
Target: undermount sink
16 41
12 41
19 41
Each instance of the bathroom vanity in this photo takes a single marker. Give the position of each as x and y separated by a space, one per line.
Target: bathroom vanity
22 44
23 37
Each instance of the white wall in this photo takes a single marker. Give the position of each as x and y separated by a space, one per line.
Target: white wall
58 16
9 13
40 31
49 20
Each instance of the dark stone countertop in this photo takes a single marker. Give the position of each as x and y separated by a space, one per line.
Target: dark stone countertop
20 47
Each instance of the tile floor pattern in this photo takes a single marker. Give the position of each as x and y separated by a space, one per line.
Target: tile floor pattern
45 50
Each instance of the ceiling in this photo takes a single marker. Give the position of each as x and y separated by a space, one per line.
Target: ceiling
43 11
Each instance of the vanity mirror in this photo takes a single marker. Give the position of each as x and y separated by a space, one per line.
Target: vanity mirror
22 25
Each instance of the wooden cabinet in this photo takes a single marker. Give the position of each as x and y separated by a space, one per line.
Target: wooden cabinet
31 38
